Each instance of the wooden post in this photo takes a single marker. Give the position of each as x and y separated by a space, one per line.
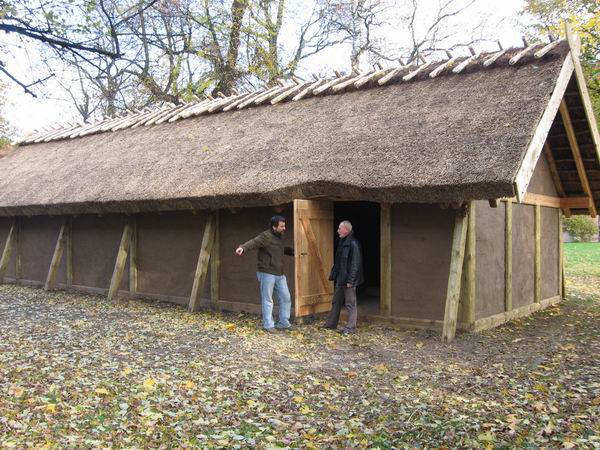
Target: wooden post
508 256
69 252
202 267
538 254
57 256
8 249
215 263
468 290
385 304
133 273
115 281
19 239
561 281
459 236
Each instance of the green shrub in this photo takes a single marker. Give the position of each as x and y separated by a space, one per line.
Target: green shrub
582 228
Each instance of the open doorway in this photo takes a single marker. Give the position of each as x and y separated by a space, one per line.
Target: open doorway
365 219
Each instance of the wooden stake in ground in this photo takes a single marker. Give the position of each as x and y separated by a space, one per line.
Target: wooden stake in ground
459 239
59 249
115 281
202 268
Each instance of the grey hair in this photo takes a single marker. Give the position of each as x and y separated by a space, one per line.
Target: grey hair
347 225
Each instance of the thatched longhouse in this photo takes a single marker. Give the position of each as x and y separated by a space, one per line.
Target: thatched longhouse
453 172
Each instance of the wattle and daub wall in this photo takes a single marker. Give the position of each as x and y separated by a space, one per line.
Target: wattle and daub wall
167 250
168 246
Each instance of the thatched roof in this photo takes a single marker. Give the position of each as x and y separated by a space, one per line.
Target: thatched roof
434 136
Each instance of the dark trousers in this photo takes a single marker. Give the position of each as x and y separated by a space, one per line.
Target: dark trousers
343 296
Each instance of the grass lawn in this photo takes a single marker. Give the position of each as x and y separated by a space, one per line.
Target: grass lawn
582 259
77 371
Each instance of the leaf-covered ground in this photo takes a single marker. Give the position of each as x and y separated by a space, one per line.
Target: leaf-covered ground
79 372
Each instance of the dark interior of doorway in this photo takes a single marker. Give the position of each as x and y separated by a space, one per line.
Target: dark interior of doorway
365 218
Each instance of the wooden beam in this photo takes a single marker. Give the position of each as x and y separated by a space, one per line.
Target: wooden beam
133 269
11 240
501 318
208 240
555 175
18 245
385 308
553 170
542 200
69 255
560 256
536 144
459 235
117 275
57 256
566 117
538 254
215 262
468 277
508 257
575 45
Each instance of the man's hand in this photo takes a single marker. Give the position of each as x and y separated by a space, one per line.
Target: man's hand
239 251
348 285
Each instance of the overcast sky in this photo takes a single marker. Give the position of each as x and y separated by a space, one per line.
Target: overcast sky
26 113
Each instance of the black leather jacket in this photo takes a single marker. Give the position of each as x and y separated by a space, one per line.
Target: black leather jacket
348 267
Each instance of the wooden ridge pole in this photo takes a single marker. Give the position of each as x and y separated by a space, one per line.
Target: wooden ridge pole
208 240
386 260
57 256
8 249
117 275
459 236
508 257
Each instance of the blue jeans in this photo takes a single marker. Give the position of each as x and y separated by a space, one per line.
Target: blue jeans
278 284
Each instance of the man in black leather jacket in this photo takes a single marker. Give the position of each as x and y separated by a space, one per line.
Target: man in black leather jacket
347 273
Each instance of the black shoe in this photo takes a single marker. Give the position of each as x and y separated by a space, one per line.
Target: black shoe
347 331
325 327
270 330
289 328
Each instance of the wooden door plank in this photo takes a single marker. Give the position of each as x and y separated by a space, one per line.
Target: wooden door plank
459 236
8 249
202 267
385 306
57 256
314 249
120 261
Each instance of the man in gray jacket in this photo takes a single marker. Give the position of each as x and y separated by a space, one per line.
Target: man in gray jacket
347 274
270 273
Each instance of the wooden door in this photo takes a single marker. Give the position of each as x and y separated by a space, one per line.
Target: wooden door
313 242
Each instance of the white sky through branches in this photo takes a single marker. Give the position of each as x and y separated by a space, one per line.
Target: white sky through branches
501 17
